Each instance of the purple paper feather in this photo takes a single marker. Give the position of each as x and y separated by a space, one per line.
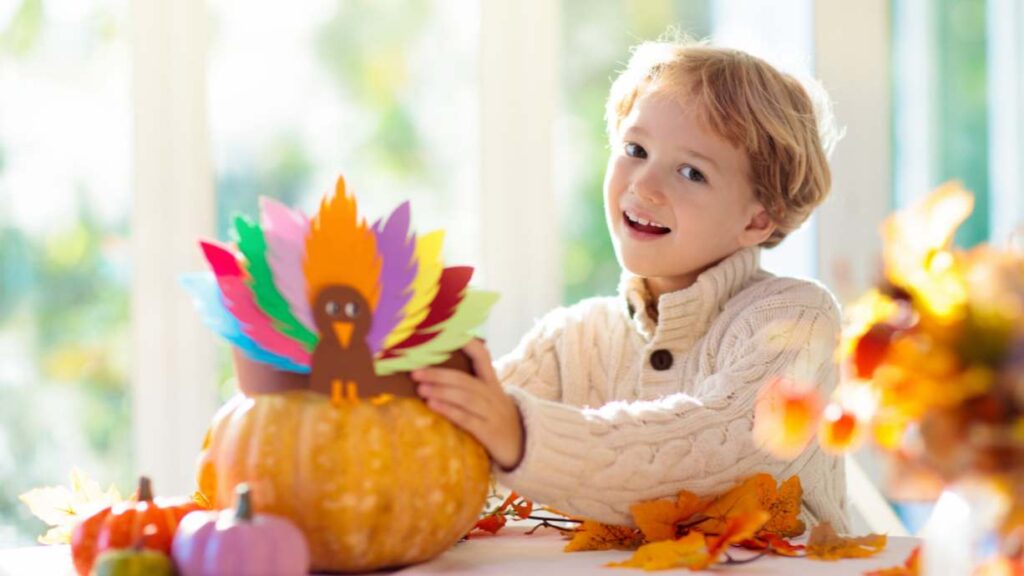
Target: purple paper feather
398 271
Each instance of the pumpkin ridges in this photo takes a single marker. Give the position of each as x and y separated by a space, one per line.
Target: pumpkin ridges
238 429
304 436
380 464
405 433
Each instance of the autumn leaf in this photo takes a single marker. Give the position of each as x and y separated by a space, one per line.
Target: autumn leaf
491 523
739 528
61 507
759 492
785 417
773 543
593 535
785 509
522 507
690 551
825 544
660 519
839 430
911 566
916 243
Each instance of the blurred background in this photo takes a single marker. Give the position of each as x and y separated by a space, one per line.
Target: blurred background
128 128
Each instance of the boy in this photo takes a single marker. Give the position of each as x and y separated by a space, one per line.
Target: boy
714 154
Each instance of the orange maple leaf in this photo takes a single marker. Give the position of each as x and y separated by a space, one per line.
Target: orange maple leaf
593 535
523 508
490 523
739 528
690 551
773 543
759 492
661 519
911 566
825 544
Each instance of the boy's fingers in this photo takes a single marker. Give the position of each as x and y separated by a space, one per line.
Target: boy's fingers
457 414
481 358
442 376
464 398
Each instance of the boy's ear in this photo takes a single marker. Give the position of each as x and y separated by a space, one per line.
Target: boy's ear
759 228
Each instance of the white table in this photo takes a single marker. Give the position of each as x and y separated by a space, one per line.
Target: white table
511 552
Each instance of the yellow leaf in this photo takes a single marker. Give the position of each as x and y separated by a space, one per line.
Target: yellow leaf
60 507
690 551
825 544
659 519
597 536
916 249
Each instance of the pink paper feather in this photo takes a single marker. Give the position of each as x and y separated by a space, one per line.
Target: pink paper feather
285 232
239 300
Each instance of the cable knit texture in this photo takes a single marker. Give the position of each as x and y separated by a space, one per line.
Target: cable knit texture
605 428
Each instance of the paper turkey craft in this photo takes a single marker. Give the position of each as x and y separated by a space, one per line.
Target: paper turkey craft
354 307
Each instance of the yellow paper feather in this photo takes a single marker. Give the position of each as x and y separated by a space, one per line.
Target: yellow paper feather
342 249
424 287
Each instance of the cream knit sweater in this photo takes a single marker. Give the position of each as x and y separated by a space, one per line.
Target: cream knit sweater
620 408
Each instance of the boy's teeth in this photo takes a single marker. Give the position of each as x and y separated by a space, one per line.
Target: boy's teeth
641 221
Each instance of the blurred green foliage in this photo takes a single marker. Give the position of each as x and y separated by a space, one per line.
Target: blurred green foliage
365 47
961 94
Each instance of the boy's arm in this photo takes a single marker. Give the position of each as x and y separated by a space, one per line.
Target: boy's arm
596 462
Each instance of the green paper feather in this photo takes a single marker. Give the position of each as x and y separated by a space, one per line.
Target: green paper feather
253 246
455 333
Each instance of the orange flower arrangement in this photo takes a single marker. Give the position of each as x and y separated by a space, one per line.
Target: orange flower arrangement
938 350
933 359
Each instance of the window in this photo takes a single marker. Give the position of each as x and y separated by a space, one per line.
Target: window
64 249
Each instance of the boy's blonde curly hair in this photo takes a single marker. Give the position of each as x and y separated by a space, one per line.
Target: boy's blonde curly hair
755 107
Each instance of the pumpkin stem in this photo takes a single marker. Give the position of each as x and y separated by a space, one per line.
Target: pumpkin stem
145 493
243 503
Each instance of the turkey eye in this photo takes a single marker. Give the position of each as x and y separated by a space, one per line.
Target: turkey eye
332 308
351 309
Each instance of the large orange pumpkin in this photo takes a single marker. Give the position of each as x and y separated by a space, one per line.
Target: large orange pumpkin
372 485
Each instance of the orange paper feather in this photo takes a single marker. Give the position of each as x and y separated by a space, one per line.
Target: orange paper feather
342 249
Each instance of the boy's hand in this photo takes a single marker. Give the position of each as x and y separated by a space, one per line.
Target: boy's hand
477 404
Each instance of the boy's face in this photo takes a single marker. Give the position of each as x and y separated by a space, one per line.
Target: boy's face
677 196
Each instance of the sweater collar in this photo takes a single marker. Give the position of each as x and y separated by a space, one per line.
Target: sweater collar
687 313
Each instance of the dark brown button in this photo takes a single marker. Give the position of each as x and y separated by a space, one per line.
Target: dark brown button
661 359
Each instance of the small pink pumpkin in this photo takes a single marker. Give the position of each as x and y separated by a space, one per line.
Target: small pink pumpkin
239 543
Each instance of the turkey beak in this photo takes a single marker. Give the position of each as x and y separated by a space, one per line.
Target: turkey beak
343 330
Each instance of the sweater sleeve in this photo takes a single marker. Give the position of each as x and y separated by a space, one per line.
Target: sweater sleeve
596 462
533 365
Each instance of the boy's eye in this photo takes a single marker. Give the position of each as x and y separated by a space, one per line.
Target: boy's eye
691 173
635 150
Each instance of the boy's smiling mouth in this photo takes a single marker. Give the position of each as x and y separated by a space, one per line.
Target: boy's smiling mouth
643 225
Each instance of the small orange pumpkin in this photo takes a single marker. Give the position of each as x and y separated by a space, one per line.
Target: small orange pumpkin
122 526
371 485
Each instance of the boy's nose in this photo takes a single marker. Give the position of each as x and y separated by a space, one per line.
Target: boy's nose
648 186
